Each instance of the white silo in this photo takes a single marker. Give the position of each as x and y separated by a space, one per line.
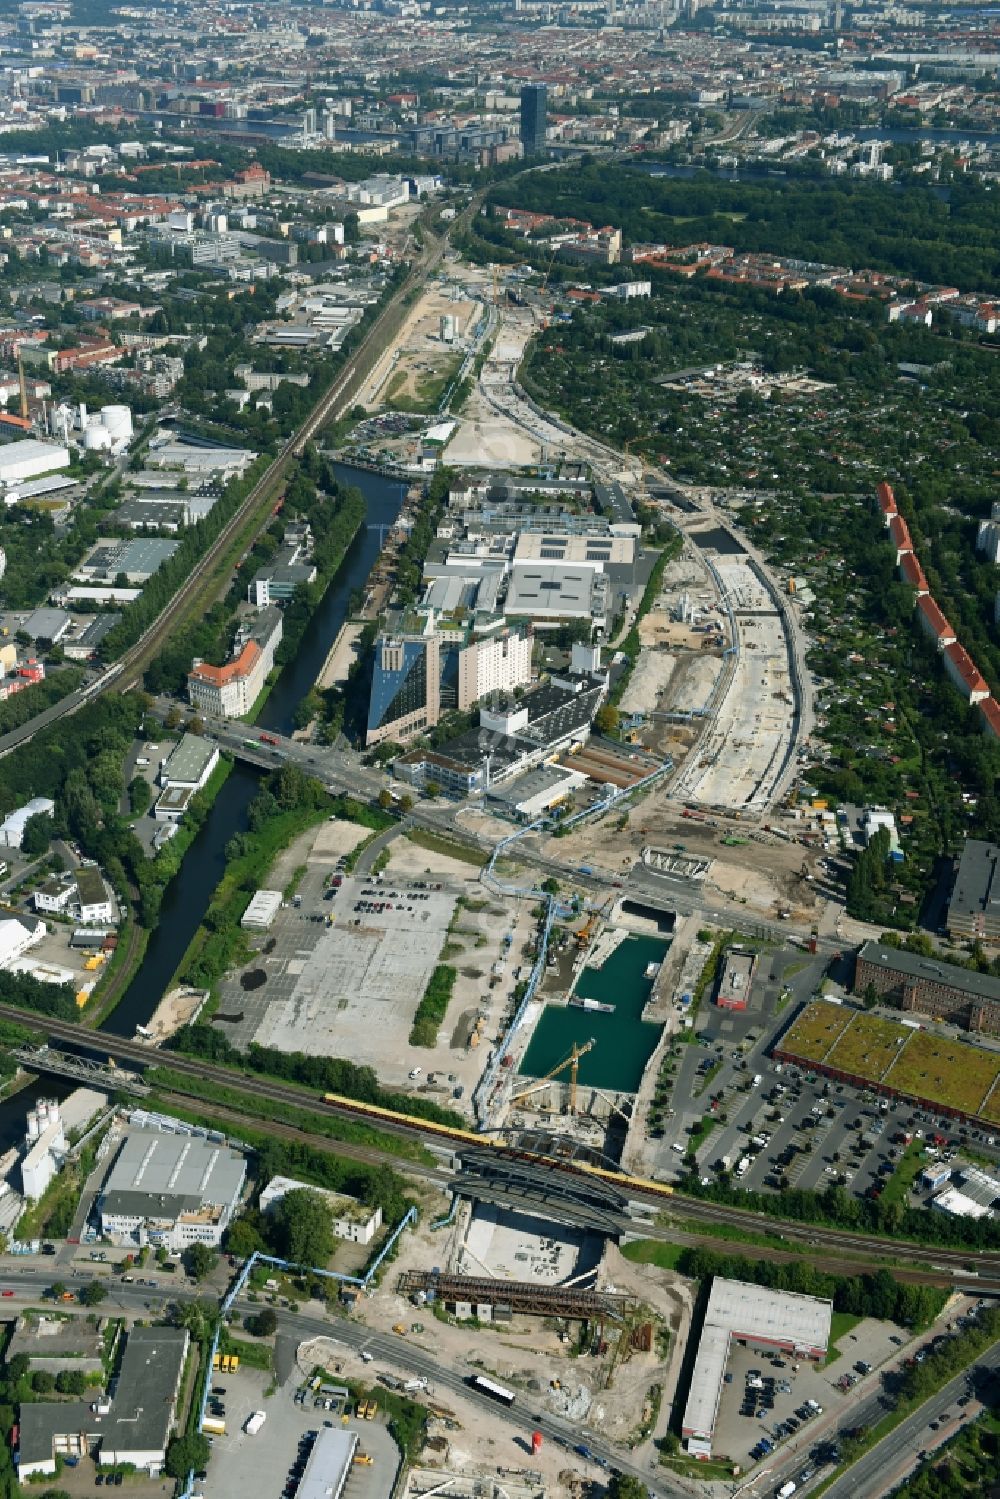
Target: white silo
96 439
118 422
33 1127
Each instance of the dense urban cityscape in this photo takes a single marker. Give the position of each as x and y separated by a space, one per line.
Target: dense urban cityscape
499 749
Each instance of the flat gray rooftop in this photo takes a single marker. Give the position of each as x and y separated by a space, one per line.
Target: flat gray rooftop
152 1166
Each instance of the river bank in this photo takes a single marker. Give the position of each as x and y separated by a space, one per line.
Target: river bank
187 897
133 939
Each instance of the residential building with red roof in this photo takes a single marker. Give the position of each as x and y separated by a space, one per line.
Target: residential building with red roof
989 708
230 691
899 535
912 573
886 501
934 623
964 673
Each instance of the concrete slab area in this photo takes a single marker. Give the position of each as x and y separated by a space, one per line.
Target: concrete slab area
515 1246
740 758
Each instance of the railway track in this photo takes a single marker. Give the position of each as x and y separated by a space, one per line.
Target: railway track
837 1262
865 1251
270 481
127 672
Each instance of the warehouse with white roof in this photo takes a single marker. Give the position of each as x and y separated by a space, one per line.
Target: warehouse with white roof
773 1319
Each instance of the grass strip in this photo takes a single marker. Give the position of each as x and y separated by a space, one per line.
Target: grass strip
311 1120
433 1006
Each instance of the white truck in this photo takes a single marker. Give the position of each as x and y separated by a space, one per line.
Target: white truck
744 1166
786 1491
253 1423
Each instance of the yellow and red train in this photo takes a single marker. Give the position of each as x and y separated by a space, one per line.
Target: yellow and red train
410 1124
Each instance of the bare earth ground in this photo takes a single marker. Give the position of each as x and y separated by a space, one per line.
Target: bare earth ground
418 347
759 874
650 678
527 1351
484 439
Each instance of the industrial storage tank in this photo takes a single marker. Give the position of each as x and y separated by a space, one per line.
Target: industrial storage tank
118 421
96 439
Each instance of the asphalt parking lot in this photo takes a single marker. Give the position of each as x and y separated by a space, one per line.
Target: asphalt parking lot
791 1127
259 1466
315 987
869 1342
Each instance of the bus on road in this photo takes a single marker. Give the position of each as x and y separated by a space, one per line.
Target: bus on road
494 1391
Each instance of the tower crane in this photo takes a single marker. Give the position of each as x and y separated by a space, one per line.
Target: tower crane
572 1061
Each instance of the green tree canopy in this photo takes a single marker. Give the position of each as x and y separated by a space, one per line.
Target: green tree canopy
303 1232
200 1261
187 1454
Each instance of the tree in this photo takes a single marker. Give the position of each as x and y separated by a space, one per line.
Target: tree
624 1486
243 1240
42 1382
57 1290
406 803
140 796
608 719
384 800
37 834
93 1293
302 1229
187 1454
71 1381
200 1261
264 1324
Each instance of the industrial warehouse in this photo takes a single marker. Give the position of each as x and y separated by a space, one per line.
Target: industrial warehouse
170 1190
132 1426
751 1314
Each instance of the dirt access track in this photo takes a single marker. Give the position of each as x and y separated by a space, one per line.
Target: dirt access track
418 350
762 874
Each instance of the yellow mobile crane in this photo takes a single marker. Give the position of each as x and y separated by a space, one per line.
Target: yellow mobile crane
573 1062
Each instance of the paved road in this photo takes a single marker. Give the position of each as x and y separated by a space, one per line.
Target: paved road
897 1455
400 1353
869 1478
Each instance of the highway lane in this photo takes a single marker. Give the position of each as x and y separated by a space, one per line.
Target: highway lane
869 1478
398 1353
524 1415
886 1464
342 772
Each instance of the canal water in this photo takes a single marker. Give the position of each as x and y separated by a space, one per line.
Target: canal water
624 1042
188 894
